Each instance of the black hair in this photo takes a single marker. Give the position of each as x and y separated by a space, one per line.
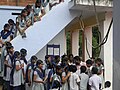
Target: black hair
23 52
39 62
28 7
38 1
72 68
94 70
33 58
107 84
58 67
16 54
83 69
10 20
89 61
70 55
47 56
23 11
6 25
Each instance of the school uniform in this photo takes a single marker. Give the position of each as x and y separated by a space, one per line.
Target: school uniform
17 76
29 67
84 78
37 12
73 80
94 82
7 72
14 30
38 86
65 85
89 71
56 78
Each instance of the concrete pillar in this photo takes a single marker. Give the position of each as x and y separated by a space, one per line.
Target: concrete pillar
116 45
88 35
75 42
108 48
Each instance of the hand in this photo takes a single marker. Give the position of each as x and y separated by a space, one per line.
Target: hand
69 73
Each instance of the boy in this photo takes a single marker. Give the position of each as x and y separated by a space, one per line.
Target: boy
74 79
95 81
107 85
89 64
83 78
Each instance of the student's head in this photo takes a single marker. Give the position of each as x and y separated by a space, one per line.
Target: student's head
33 59
98 61
47 59
24 12
17 54
107 84
57 59
23 52
58 70
94 70
89 63
72 68
28 8
77 60
83 69
39 63
70 57
11 49
64 60
6 27
10 21
38 3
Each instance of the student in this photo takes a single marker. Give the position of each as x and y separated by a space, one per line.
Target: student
6 34
77 61
29 72
48 71
70 57
107 85
38 10
83 78
8 66
13 27
89 65
16 73
65 74
21 24
38 78
56 80
30 15
95 81
23 53
74 80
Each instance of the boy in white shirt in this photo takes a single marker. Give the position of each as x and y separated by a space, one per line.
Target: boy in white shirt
95 81
83 78
74 79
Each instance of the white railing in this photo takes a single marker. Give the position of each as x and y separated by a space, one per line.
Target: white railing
108 3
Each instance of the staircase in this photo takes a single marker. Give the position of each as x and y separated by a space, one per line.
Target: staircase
45 30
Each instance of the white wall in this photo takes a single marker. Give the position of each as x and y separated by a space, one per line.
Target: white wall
60 39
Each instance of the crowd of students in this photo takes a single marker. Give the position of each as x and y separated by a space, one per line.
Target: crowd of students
28 16
57 73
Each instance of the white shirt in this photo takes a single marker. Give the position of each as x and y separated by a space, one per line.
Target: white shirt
7 77
17 75
65 85
94 82
73 80
83 81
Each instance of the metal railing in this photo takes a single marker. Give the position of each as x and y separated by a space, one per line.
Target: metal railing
108 3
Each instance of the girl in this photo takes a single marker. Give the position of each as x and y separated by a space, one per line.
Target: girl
29 72
21 24
16 73
38 82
